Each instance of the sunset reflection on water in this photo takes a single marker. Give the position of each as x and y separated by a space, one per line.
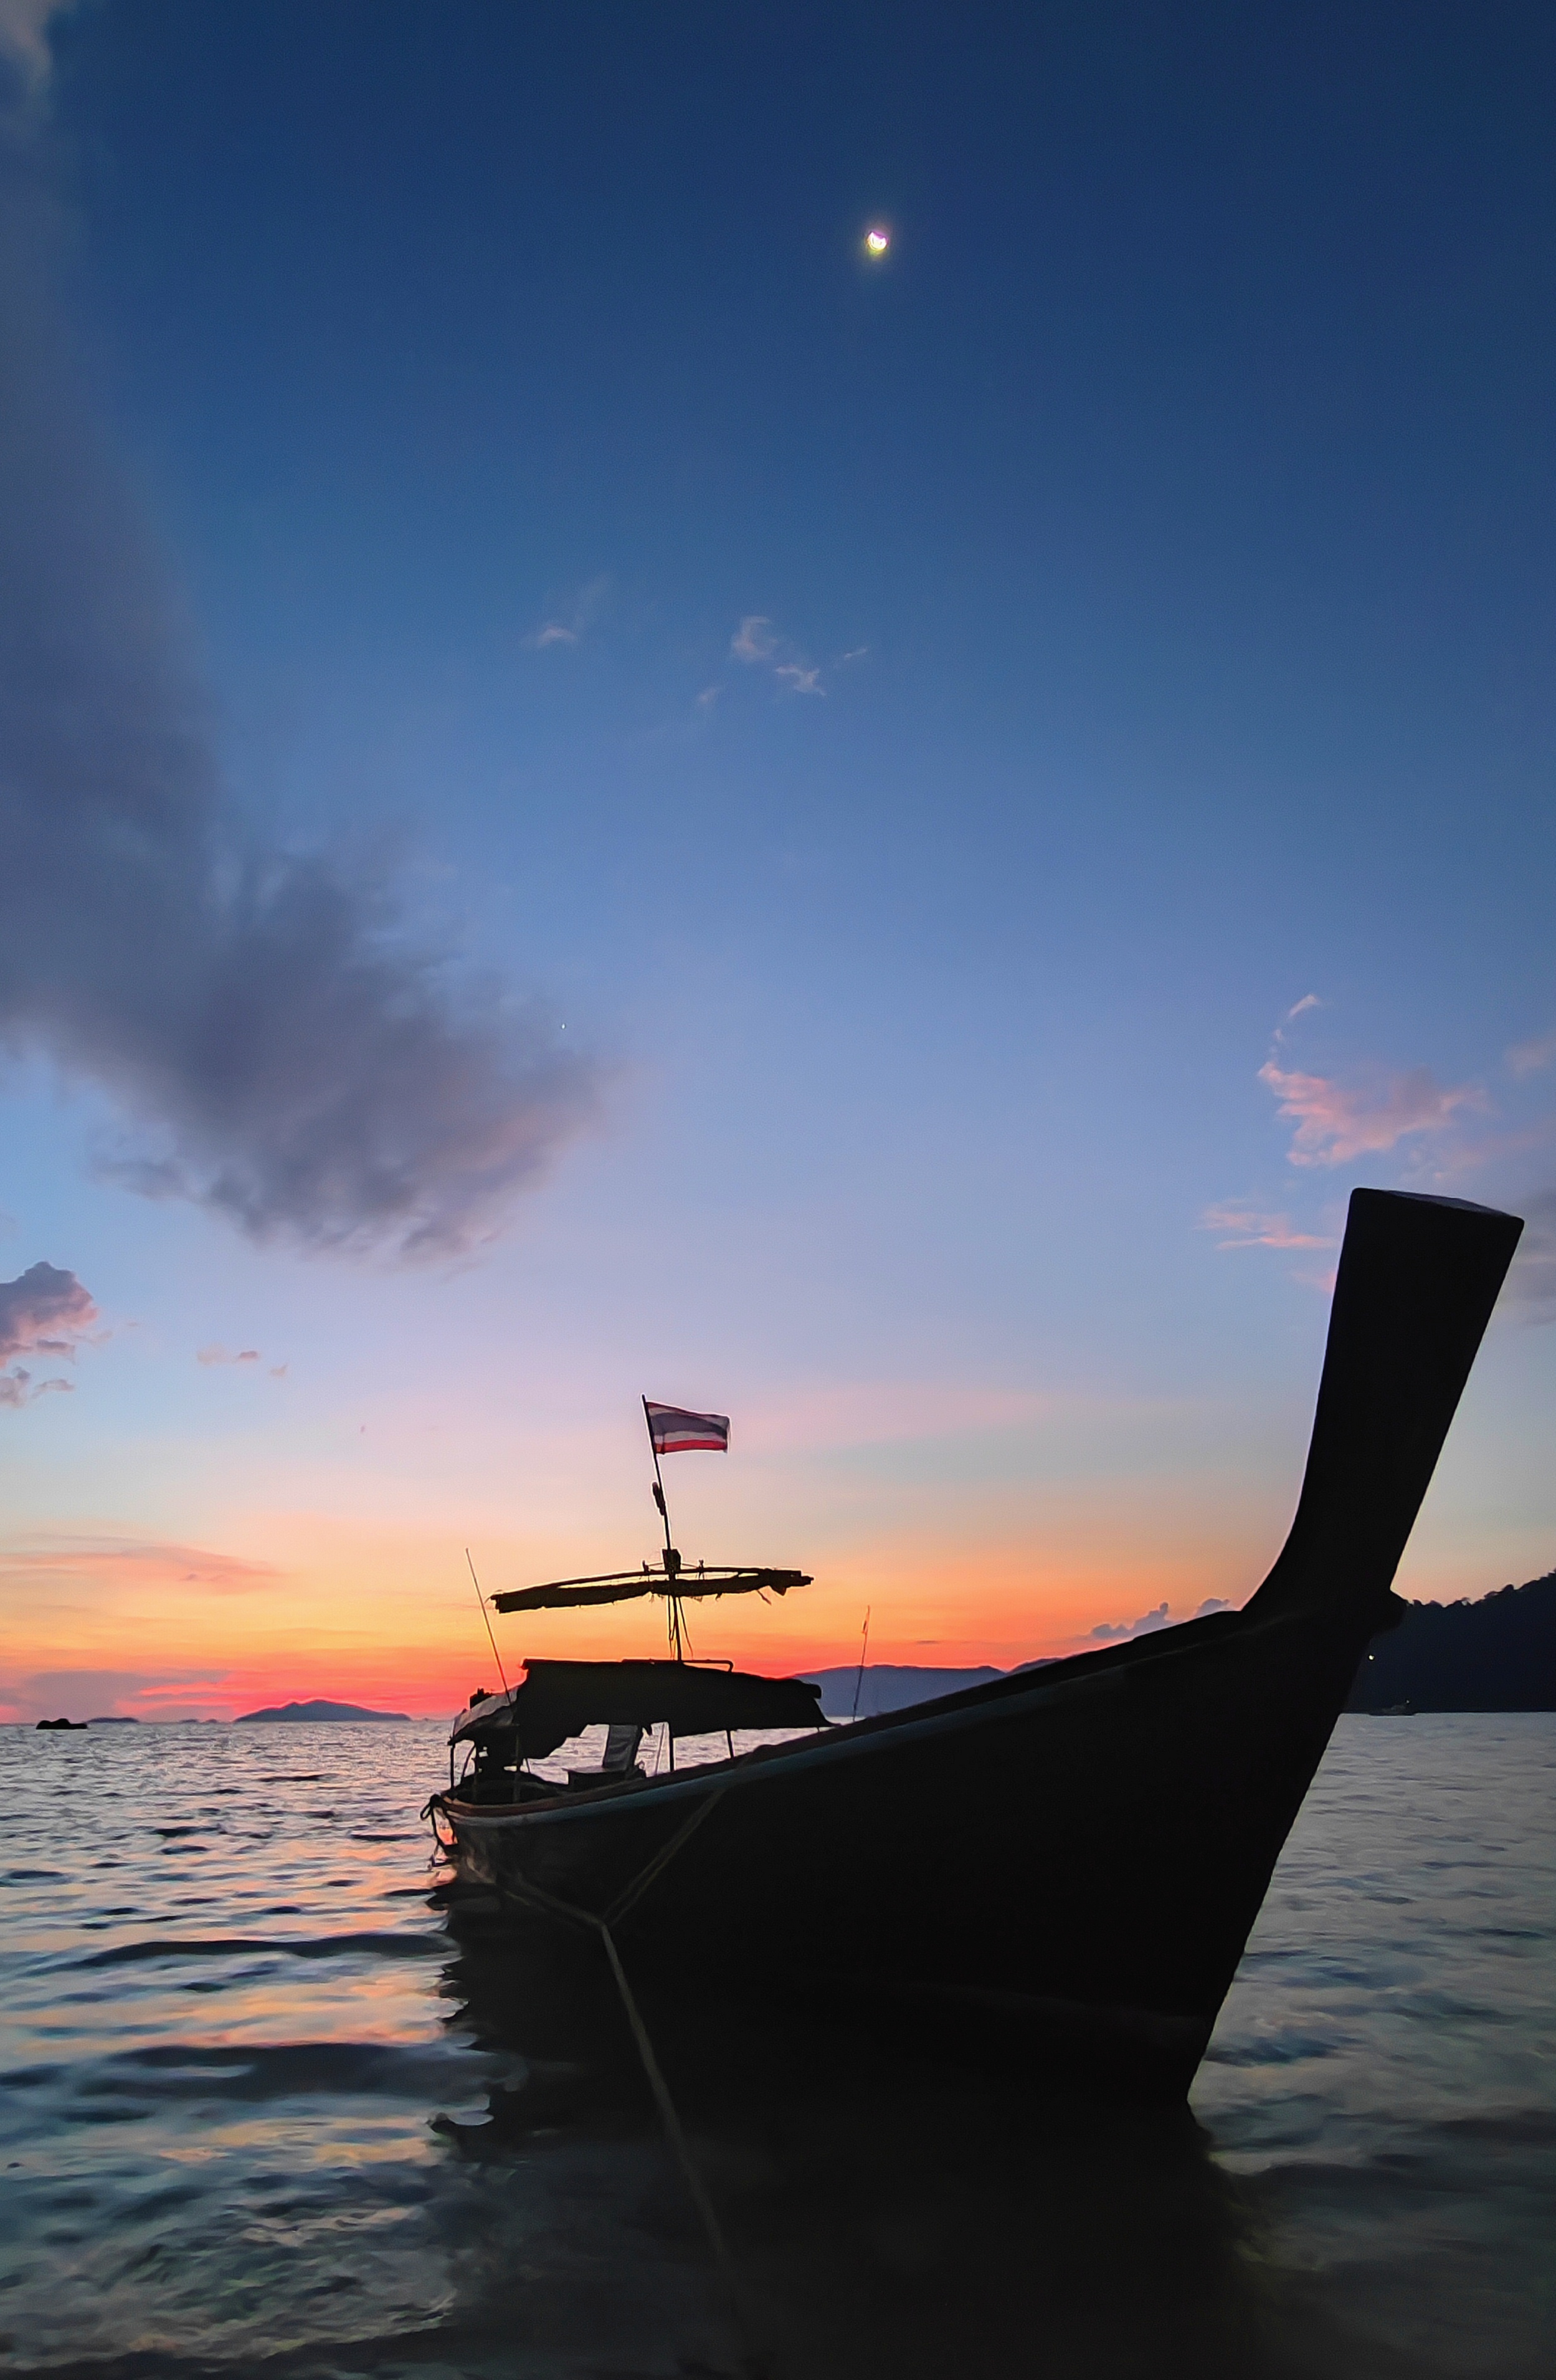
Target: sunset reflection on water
260 2101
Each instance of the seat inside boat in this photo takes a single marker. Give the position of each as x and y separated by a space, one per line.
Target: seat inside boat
619 1759
561 1700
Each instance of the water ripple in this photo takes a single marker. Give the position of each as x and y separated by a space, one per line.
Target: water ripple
258 2113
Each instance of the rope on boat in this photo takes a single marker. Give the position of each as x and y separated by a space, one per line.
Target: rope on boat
535 1897
651 2067
661 1860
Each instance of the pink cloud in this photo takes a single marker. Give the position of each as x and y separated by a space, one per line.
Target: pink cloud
125 1561
1336 1122
45 1311
1246 1228
45 1308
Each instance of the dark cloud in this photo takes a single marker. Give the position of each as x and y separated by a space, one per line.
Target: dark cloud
43 1312
1117 1631
1112 1631
279 1048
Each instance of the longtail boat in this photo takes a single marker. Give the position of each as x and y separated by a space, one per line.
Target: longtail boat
1075 1852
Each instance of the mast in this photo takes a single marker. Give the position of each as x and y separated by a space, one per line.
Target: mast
672 1560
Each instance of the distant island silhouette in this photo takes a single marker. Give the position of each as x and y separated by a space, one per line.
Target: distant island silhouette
1497 1653
889 1686
315 1710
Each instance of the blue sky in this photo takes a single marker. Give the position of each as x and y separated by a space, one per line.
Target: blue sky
890 746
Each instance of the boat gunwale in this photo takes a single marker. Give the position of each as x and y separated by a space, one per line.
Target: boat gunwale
998 1700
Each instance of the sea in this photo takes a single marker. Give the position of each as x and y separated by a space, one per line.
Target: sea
260 2112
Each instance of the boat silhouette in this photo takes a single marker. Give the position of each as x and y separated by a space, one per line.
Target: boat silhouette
1071 1856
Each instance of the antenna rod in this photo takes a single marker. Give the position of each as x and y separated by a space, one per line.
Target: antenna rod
486 1617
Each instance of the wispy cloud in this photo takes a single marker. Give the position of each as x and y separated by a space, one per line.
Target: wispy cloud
1336 1122
18 1387
754 640
24 35
246 1358
45 1311
576 618
757 642
1246 1227
1531 1057
1303 1007
278 1046
139 1562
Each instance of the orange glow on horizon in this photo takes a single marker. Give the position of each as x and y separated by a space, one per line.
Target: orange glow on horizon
391 1622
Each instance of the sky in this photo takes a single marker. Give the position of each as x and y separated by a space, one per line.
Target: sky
603 792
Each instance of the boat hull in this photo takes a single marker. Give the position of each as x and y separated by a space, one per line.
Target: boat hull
1081 1860
1078 1852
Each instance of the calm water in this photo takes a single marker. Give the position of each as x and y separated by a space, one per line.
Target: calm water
258 2110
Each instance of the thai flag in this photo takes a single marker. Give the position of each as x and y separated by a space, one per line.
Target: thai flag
675 1432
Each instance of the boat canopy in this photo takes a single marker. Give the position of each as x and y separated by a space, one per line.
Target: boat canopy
559 1699
622 1585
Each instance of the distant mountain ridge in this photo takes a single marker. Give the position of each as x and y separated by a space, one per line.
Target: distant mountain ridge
889 1686
1497 1653
315 1710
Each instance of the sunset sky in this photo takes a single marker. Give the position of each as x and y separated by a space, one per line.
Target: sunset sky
603 792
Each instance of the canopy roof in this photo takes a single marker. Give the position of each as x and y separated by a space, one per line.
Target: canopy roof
559 1699
622 1585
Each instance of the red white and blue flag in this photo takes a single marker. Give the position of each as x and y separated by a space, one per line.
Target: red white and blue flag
675 1431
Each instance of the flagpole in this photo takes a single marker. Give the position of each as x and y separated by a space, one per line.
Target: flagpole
672 1560
658 1477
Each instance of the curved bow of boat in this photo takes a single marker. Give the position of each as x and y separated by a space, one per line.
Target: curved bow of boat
1416 1281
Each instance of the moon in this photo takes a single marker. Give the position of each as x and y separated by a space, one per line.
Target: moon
876 240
